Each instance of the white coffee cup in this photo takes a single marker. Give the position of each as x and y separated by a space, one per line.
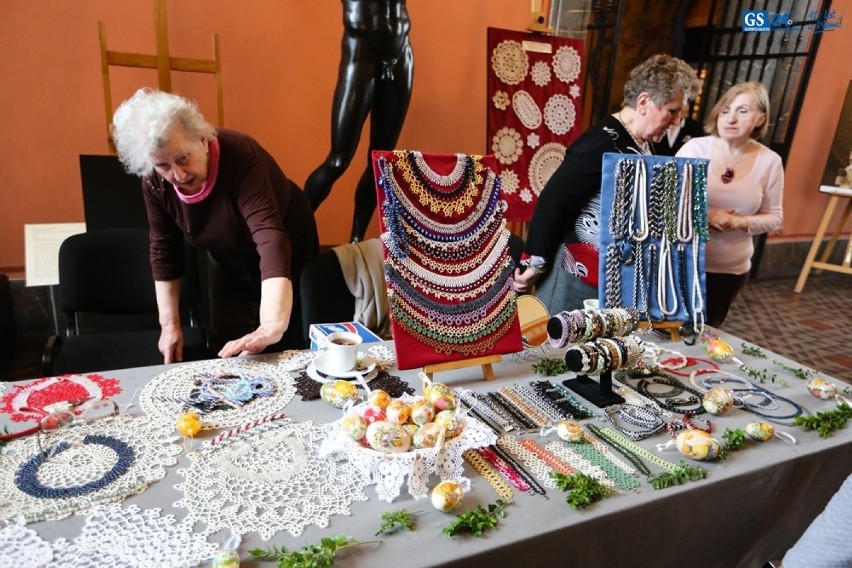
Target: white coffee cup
342 350
591 304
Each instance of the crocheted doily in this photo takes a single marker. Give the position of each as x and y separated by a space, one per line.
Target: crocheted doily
500 100
566 64
533 140
163 398
112 536
510 62
293 360
50 390
389 471
509 182
544 162
559 114
574 91
78 467
526 195
507 145
266 477
540 73
526 109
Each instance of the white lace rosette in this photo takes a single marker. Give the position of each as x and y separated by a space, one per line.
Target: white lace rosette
507 145
566 64
510 62
540 73
500 100
544 162
526 109
509 182
389 471
164 398
266 477
75 468
559 114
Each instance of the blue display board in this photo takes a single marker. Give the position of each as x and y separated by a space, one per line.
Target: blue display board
652 236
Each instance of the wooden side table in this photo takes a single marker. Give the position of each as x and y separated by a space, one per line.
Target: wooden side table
822 264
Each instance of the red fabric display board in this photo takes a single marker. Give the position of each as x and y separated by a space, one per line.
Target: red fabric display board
534 105
447 263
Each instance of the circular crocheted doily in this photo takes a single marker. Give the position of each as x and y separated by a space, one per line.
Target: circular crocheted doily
510 62
389 471
500 100
507 145
543 163
540 73
559 114
526 109
266 477
50 476
42 393
566 64
509 182
163 399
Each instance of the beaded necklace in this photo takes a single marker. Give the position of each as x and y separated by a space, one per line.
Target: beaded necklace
639 204
449 180
432 198
471 288
685 206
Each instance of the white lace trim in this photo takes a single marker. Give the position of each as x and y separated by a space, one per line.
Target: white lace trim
389 471
510 62
559 114
544 162
162 398
267 477
574 91
85 473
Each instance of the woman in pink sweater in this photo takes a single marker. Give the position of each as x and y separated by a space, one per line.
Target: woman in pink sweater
745 187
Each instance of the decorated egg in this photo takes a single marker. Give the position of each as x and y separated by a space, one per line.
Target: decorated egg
446 496
374 414
719 350
448 419
397 412
422 411
379 399
821 388
354 426
427 436
698 445
411 429
717 401
760 431
189 424
338 393
388 437
570 431
441 396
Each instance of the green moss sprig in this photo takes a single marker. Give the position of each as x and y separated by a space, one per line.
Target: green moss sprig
825 422
753 350
760 376
312 556
583 490
392 520
550 366
684 472
478 520
803 374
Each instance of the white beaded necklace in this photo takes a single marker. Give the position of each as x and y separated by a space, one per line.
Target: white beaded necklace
448 180
643 146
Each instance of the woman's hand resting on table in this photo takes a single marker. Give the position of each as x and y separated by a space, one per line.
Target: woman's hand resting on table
253 342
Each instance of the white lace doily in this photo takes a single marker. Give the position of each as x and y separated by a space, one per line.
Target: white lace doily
540 73
510 62
507 145
559 114
566 64
574 91
526 109
526 195
533 140
293 360
509 182
268 477
390 471
163 398
112 536
500 100
544 162
81 466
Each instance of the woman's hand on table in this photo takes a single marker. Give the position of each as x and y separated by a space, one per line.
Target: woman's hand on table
253 342
171 343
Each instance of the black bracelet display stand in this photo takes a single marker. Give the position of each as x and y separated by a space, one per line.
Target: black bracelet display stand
598 393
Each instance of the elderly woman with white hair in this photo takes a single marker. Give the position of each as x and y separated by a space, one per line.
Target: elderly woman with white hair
222 192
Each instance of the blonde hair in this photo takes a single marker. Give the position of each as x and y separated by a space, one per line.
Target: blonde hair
761 99
144 122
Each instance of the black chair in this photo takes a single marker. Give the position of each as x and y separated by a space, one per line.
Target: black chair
106 291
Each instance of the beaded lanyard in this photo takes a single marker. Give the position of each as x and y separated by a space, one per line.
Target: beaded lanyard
669 402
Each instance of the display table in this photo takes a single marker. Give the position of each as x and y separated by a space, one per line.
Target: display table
750 508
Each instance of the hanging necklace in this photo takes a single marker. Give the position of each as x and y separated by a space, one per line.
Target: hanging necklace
643 146
728 174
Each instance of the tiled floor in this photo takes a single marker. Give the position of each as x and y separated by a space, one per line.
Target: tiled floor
813 328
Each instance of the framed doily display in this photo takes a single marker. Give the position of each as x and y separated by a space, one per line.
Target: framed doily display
652 236
53 475
28 402
447 264
534 105
268 476
253 389
390 471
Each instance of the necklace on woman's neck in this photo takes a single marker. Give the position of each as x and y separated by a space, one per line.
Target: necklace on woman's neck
643 146
728 174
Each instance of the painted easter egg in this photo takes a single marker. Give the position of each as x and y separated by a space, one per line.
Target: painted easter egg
821 388
717 401
427 436
449 420
397 412
719 351
374 414
441 396
698 445
379 399
338 393
422 411
354 426
446 496
388 438
570 431
760 431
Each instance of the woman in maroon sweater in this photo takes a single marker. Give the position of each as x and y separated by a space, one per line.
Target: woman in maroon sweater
223 192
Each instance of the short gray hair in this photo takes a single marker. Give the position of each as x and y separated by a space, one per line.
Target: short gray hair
663 77
142 123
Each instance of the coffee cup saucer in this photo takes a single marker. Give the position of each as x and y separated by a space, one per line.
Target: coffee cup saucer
365 365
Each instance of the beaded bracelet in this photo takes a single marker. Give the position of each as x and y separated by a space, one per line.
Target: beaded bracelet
552 461
631 457
500 400
535 464
648 423
504 468
482 411
605 451
548 394
525 475
525 407
490 474
673 404
622 479
582 411
540 403
638 450
578 462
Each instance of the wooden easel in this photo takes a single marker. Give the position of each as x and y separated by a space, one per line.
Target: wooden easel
162 62
672 326
823 264
484 362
